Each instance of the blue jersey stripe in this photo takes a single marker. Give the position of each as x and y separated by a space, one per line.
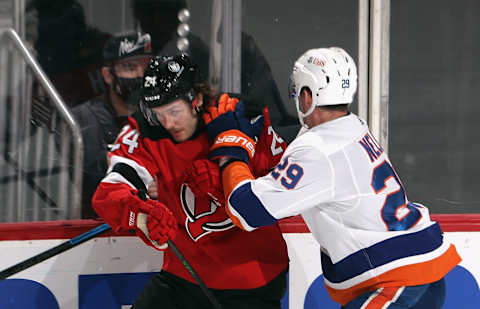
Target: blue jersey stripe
381 253
247 204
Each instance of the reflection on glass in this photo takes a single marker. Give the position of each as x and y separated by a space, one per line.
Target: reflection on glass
433 102
68 39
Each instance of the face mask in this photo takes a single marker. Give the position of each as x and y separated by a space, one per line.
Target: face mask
128 88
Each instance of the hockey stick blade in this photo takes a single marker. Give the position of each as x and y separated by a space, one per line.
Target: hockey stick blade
34 260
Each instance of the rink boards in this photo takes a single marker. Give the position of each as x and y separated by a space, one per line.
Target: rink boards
109 271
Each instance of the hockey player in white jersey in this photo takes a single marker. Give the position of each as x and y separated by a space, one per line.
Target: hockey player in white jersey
378 249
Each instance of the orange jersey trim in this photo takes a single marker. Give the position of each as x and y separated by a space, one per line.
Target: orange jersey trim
232 175
385 296
409 275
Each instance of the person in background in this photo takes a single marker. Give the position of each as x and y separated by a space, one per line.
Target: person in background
160 19
145 191
67 48
378 249
125 57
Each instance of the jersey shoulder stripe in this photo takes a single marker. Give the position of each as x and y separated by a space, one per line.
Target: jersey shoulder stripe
248 206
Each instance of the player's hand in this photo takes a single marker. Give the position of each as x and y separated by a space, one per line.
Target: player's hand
153 222
232 134
203 178
153 189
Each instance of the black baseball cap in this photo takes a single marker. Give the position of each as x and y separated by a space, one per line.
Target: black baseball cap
127 44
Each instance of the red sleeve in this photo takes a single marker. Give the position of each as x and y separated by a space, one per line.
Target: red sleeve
269 149
130 145
113 194
110 202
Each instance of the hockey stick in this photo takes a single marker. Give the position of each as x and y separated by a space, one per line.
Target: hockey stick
45 255
34 260
195 276
131 175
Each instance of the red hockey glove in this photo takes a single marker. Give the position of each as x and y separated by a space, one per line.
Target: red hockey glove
153 222
203 178
232 134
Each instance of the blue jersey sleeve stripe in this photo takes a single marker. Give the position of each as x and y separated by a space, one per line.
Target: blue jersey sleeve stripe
249 207
381 253
233 152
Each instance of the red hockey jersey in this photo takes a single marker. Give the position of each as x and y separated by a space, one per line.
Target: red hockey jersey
224 256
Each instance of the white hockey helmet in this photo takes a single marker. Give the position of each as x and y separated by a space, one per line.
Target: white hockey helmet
329 73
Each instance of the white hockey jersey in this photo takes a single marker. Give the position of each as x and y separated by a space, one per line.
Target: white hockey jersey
342 183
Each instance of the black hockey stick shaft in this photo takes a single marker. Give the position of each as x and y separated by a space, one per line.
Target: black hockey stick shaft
137 182
34 260
195 276
45 255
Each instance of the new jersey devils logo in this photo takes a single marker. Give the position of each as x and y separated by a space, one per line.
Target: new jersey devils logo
203 215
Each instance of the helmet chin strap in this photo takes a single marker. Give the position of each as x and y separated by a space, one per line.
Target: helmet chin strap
301 115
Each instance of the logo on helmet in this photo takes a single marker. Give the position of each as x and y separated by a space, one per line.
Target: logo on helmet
316 61
152 98
150 81
173 66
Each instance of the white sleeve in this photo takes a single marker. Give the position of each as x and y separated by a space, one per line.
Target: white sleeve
115 177
302 180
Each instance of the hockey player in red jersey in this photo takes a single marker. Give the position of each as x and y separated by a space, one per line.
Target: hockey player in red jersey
167 137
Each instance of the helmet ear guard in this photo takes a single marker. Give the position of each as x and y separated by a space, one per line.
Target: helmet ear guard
329 73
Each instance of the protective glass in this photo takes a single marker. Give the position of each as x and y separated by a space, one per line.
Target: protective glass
292 92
